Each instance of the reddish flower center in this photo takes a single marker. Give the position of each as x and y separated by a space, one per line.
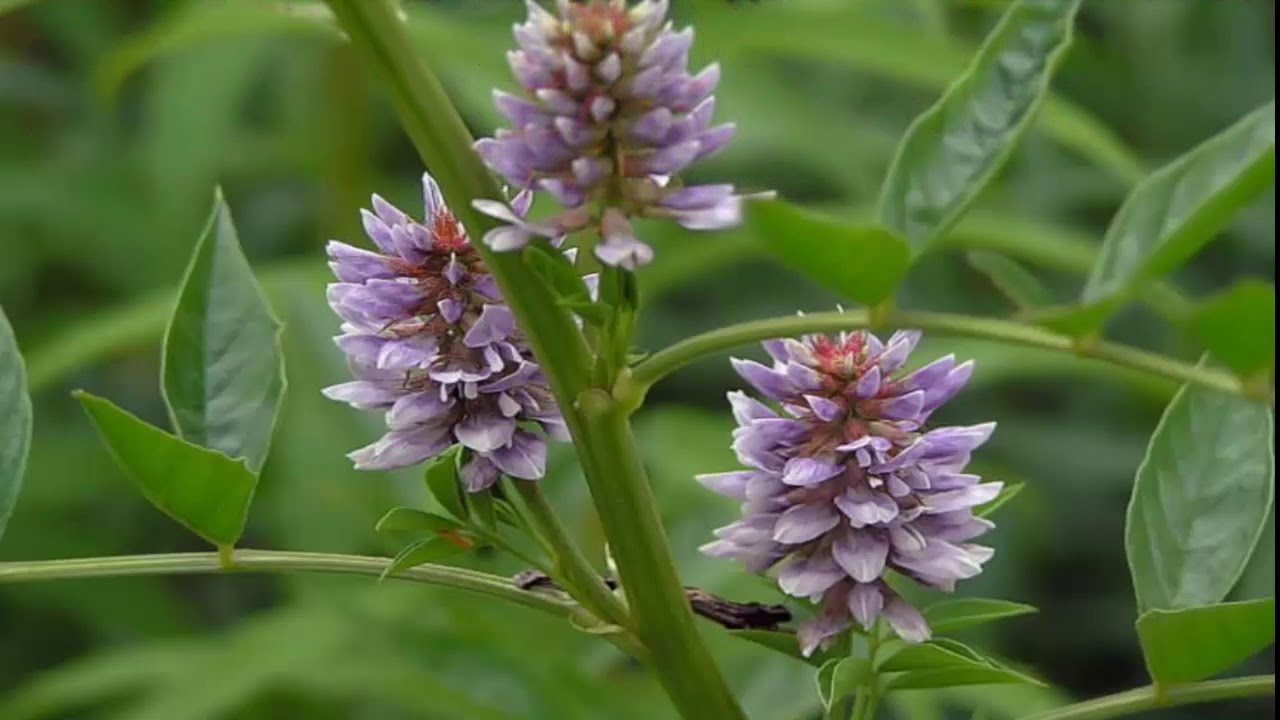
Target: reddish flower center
446 233
600 20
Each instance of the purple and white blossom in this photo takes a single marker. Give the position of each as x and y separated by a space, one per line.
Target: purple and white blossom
431 345
609 116
849 481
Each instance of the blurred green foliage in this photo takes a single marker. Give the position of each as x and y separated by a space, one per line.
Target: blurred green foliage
118 117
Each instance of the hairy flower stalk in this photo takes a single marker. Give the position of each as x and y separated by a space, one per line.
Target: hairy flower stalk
610 115
431 344
849 482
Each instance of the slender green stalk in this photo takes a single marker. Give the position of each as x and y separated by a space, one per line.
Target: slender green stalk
1147 698
572 565
661 614
658 365
870 697
856 710
259 561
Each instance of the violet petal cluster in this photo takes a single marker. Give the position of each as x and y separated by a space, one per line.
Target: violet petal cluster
610 115
431 344
848 481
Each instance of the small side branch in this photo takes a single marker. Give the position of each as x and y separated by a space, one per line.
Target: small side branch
670 359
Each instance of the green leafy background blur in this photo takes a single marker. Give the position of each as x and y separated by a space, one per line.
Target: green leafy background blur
118 117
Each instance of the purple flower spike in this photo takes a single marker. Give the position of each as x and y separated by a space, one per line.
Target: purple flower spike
849 482
432 346
610 115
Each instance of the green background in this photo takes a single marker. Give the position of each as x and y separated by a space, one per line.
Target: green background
118 117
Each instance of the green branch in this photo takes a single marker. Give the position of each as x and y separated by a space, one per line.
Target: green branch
666 361
1149 698
260 561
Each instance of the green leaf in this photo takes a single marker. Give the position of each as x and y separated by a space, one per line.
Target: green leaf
592 313
951 615
15 421
1013 281
843 671
1007 493
1201 499
442 480
506 513
823 678
1191 644
846 677
420 553
1179 208
482 510
556 272
781 642
403 519
954 148
223 369
203 489
880 45
946 663
926 656
1238 327
785 643
957 676
862 262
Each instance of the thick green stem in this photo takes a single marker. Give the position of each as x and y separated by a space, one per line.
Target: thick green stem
639 547
668 360
1147 698
251 561
619 489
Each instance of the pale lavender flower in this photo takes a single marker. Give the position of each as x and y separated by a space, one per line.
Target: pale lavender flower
610 115
431 344
849 481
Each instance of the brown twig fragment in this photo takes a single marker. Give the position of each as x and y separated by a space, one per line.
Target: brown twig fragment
727 613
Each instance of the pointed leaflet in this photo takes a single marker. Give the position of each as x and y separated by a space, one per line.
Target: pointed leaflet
785 643
946 663
839 678
862 262
556 272
1201 499
15 421
1175 212
952 151
203 489
403 519
950 615
420 553
1192 644
223 369
1238 327
441 476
